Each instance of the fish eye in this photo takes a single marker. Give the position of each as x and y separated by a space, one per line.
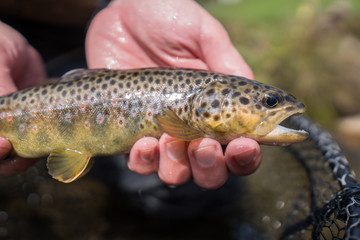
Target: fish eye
271 100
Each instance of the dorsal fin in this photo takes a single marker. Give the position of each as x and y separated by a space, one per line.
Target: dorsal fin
78 73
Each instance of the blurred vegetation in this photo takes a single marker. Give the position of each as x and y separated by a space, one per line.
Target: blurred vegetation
310 48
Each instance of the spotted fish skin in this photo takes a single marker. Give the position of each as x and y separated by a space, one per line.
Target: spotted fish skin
103 112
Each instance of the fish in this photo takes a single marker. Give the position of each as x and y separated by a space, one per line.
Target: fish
102 112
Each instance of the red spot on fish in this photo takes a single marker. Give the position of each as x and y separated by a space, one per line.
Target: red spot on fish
49 109
50 128
68 118
149 114
82 105
33 112
114 101
2 115
19 114
120 122
100 119
9 117
134 111
35 129
86 124
60 104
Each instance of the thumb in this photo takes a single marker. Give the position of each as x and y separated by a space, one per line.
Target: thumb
218 51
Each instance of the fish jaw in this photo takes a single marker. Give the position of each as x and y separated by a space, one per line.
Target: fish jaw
283 136
274 134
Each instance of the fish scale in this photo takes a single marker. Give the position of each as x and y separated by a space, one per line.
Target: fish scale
97 112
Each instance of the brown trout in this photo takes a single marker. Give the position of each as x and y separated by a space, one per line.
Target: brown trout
100 112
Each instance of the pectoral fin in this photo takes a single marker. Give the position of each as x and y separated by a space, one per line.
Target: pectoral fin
177 128
67 165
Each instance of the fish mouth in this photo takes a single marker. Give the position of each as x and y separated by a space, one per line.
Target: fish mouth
275 134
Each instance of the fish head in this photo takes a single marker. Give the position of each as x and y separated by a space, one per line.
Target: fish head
241 107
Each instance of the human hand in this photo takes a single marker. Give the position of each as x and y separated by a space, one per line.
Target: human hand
20 67
136 34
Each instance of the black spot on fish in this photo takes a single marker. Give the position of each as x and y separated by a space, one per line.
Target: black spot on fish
181 78
176 87
147 72
32 101
121 85
180 111
107 78
247 90
178 72
79 83
72 92
86 86
236 94
3 100
182 85
164 91
122 77
59 89
216 117
128 84
112 82
93 89
92 79
135 74
135 81
203 105
225 91
186 108
207 80
146 85
104 86
157 81
226 103
52 87
206 114
228 115
64 93
203 74
51 99
210 92
69 84
256 87
36 89
15 96
170 82
244 100
198 82
242 83
78 97
215 104
151 79
169 74
187 81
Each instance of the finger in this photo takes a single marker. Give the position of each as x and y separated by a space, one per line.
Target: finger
174 167
207 163
12 166
243 156
144 156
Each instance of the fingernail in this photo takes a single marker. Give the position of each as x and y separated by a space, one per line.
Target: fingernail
244 158
206 156
147 155
176 150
